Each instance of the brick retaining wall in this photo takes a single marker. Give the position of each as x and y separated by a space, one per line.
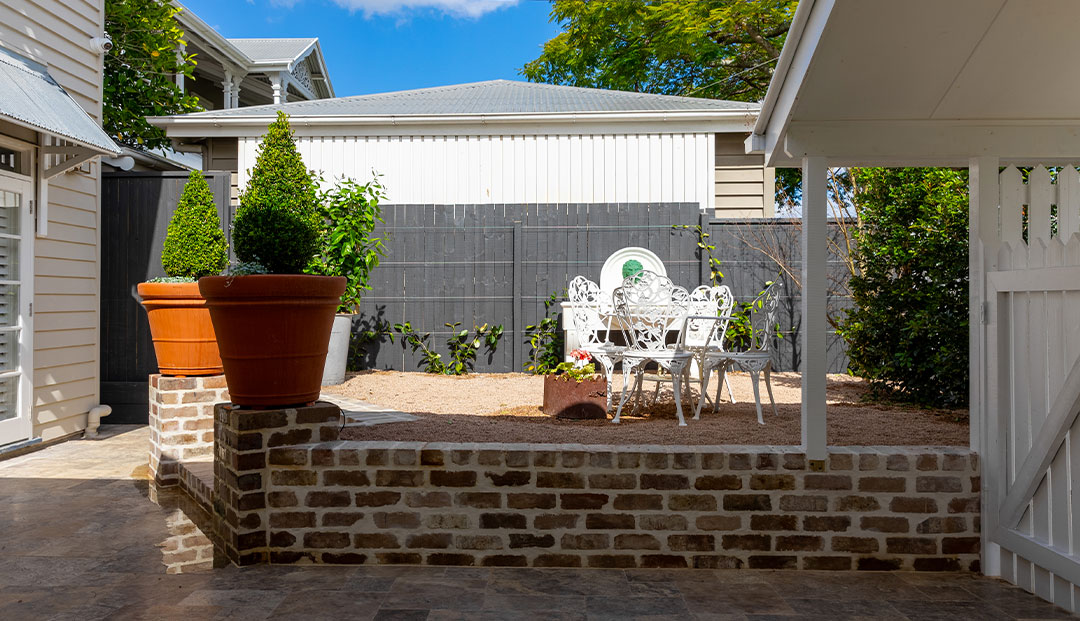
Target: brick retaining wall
576 506
182 422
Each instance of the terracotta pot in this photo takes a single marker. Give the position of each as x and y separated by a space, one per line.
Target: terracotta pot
273 331
180 325
565 398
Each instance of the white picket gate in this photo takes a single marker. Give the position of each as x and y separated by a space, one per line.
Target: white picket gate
1031 456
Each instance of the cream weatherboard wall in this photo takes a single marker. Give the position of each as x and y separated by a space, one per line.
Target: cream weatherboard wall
507 169
67 263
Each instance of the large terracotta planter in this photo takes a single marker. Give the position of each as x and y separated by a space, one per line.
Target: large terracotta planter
180 326
565 398
273 330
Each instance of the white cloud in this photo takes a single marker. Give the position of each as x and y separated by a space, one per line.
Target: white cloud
457 8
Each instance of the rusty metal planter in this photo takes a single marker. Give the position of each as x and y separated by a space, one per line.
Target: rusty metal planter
565 398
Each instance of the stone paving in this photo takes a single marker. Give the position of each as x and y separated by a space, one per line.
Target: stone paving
85 537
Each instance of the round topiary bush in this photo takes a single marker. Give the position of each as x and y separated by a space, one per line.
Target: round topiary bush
195 245
277 223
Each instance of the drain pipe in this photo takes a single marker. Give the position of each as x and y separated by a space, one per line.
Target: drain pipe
93 420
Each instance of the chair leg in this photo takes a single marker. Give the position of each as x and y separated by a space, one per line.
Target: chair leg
656 393
609 369
757 396
625 391
730 394
768 387
705 373
722 377
676 380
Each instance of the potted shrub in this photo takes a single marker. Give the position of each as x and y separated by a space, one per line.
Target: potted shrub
273 321
349 213
575 390
195 246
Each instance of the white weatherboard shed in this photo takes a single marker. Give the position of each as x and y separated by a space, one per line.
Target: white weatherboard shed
988 85
505 142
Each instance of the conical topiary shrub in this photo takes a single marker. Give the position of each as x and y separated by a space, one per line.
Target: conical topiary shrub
195 245
277 223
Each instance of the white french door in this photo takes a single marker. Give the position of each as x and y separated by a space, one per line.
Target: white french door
16 331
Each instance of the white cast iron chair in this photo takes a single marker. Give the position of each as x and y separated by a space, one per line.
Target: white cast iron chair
649 307
588 309
756 359
707 337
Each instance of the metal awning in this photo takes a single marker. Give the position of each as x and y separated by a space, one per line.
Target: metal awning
30 97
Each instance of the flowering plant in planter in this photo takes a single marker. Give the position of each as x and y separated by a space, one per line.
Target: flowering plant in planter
581 369
574 390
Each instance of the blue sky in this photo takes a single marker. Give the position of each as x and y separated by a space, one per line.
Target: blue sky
375 46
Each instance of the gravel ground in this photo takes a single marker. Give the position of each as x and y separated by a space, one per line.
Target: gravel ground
505 407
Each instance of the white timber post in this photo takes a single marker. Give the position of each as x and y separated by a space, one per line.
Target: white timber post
983 241
277 80
814 327
226 90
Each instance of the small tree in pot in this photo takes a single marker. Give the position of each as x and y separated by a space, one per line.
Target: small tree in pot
195 246
272 321
349 213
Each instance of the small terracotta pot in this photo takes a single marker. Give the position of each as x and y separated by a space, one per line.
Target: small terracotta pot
273 331
565 398
180 326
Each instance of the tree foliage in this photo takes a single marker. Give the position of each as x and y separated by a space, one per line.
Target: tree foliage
724 49
277 224
195 244
141 69
350 212
908 332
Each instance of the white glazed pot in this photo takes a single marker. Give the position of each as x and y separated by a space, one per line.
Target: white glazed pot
338 354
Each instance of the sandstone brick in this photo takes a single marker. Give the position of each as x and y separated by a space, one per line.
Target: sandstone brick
636 542
862 545
343 558
868 461
446 520
504 560
403 457
883 524
609 521
691 543
883 484
663 561
516 459
377 457
292 519
396 519
954 462
328 499
347 478
649 522
826 523
684 461
934 525
398 558
629 460
502 520
612 481
291 437
369 541
713 461
511 478
773 562
804 503
399 478
656 461
719 522
841 461
857 504
718 482
716 561
326 540
937 564
739 461
902 504
479 542
525 540
926 461
288 457
910 545
960 545
544 459
430 540
639 502
572 459
431 457
794 461
964 505
766 461
583 501
341 518
592 541
928 484
530 501
664 481
746 542
897 462
293 477
462 478
455 560
479 500
377 499
827 481
612 561
691 502
282 539
879 564
427 499
772 481
774 522
282 499
747 502
799 543
557 560
555 521
601 460
827 563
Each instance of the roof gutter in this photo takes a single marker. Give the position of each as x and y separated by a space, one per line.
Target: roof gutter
756 143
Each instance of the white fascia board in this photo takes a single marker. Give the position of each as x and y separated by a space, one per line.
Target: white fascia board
320 61
735 121
812 18
190 21
930 143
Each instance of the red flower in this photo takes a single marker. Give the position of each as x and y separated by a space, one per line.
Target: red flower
580 355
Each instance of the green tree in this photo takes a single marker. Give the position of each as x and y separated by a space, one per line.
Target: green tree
277 224
195 244
908 332
141 69
723 49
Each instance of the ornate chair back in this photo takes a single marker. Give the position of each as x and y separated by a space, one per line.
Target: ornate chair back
708 301
648 305
586 301
763 318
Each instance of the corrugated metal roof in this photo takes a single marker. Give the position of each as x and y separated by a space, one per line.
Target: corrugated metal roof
29 96
265 50
491 97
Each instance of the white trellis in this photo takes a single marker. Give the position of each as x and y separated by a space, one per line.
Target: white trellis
1031 369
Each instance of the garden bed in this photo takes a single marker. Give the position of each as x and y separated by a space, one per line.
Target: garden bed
505 407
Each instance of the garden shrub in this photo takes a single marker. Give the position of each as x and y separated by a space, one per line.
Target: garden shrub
349 213
908 332
545 338
461 347
277 224
195 245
